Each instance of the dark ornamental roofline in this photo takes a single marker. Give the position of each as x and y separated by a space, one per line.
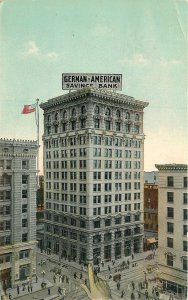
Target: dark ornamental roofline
103 94
172 167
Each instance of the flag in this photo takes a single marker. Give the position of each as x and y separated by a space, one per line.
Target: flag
27 109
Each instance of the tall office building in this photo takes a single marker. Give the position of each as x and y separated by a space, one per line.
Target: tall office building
173 228
17 211
93 168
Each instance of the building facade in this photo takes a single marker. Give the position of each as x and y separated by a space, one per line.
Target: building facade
17 211
172 221
93 170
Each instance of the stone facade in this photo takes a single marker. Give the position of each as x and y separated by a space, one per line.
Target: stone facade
17 210
93 174
172 230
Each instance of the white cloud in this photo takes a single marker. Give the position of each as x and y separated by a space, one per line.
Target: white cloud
32 49
137 59
52 55
164 62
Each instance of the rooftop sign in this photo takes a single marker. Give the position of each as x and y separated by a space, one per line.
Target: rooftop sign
75 81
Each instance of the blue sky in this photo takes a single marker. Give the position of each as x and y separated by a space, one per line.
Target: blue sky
144 40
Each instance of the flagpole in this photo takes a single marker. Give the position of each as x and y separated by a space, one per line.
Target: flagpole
37 123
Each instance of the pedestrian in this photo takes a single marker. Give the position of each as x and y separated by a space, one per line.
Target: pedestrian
132 256
67 279
128 262
60 278
31 287
146 294
10 296
48 291
132 296
28 288
108 268
63 291
122 294
59 290
36 278
118 285
102 263
146 284
80 275
153 290
18 289
23 289
54 278
133 285
75 275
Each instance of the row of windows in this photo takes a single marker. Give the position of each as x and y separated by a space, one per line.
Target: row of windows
170 181
96 152
96 211
108 125
97 164
97 110
97 140
170 262
170 197
170 213
108 222
96 198
97 187
170 228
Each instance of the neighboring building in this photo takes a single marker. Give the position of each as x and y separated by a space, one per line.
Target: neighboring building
151 177
150 214
40 199
17 210
93 169
173 228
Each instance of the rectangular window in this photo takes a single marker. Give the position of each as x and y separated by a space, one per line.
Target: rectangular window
185 264
107 222
169 260
170 181
25 164
185 182
170 197
97 224
24 237
185 198
24 194
170 212
170 227
185 214
185 229
170 242
24 223
185 246
24 208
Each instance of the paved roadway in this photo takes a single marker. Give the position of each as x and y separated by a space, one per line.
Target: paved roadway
73 289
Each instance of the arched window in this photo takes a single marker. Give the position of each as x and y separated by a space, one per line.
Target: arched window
97 109
108 111
65 114
83 109
56 116
118 114
127 115
137 117
73 112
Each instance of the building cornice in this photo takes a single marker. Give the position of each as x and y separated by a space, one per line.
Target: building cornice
102 94
172 167
18 142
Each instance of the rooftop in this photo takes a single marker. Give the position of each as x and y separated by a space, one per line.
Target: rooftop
103 94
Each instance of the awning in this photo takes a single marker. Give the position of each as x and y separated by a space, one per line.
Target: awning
151 240
174 279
